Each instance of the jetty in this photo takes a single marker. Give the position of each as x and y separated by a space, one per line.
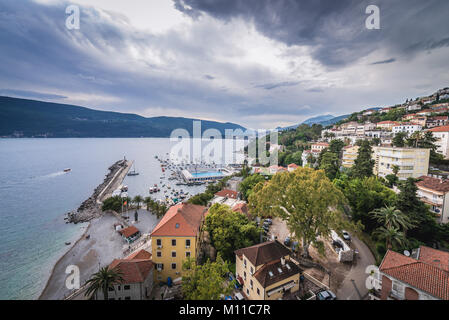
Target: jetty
91 208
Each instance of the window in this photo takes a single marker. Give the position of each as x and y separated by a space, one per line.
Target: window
159 243
126 287
177 226
247 291
251 270
244 262
187 254
160 266
258 291
251 283
159 254
173 266
244 275
111 289
118 288
173 242
270 274
188 243
173 254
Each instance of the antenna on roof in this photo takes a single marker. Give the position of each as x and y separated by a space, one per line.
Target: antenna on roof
406 253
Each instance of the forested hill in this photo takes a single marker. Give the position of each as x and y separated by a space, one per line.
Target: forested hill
30 118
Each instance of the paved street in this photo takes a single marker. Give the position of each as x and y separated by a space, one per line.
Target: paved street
353 287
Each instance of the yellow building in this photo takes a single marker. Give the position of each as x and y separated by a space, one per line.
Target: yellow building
175 238
412 162
266 271
350 153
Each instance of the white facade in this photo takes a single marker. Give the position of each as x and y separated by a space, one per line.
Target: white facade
130 291
407 128
442 143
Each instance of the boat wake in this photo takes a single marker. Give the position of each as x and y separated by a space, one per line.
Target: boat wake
51 175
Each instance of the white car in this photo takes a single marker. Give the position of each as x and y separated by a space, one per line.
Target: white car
346 235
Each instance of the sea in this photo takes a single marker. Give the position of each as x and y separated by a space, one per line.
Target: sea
36 193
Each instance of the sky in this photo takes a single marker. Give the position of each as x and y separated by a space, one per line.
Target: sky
258 63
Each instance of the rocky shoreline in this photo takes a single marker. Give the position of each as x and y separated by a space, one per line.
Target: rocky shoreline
91 208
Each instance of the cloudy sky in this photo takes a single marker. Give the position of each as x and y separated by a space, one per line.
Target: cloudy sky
258 63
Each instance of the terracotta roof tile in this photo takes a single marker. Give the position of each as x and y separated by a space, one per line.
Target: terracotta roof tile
128 232
141 254
417 273
183 219
440 129
133 271
227 193
265 279
434 184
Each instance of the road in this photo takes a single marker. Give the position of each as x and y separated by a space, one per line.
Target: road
353 287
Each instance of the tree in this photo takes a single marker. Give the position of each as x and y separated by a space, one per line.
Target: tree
205 282
399 139
375 141
229 230
392 236
305 199
365 195
336 146
392 217
363 164
330 164
113 203
247 185
103 280
138 201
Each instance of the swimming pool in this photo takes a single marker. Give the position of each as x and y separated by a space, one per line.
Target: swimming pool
207 174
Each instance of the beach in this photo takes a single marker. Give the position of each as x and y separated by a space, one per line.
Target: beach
104 245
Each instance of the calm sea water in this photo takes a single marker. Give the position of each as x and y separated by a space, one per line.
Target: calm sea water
36 193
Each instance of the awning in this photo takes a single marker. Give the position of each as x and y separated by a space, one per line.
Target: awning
285 286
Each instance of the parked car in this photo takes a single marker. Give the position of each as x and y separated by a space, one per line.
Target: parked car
295 246
287 241
346 235
326 295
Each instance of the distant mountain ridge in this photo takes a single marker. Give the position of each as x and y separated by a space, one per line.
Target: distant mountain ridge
324 120
31 118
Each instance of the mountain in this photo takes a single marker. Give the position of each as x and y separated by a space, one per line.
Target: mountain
324 120
31 118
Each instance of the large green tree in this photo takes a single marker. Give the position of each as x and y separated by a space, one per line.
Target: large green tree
207 281
330 164
306 200
247 185
230 230
364 163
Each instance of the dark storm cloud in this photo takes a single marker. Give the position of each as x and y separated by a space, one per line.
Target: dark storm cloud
384 61
335 30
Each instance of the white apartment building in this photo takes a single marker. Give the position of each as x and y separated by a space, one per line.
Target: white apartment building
412 162
350 153
435 192
414 106
442 134
407 128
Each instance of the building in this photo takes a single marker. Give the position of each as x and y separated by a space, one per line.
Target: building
428 100
305 157
137 273
442 143
292 167
408 128
350 153
175 238
422 276
412 162
130 234
319 146
266 271
437 121
414 106
205 175
227 197
435 192
387 125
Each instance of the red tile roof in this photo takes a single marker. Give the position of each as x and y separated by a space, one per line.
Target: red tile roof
128 232
227 193
293 165
417 273
434 257
182 220
440 129
141 254
434 184
240 207
263 253
133 271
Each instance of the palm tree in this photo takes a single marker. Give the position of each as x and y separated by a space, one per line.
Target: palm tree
103 280
138 200
391 235
396 170
392 217
148 201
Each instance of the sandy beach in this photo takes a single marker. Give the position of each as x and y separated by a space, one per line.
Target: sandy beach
104 245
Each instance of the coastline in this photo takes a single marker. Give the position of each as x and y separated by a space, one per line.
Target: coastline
86 213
